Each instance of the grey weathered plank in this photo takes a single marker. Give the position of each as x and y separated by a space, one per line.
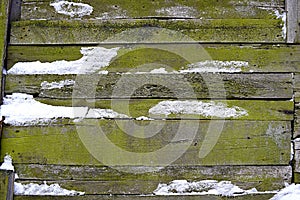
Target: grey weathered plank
6 185
260 58
141 197
261 177
238 143
106 9
147 30
230 86
293 31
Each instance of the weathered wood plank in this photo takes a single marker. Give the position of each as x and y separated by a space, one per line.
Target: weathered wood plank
293 31
261 177
139 197
4 17
6 185
106 9
96 31
260 58
256 110
239 143
230 86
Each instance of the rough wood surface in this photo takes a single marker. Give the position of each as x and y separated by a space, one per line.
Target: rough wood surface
4 10
256 110
96 31
139 197
106 9
239 143
261 177
6 185
293 19
260 58
230 86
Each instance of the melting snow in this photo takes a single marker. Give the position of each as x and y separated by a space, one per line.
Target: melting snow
43 189
283 17
7 164
23 109
72 9
205 187
56 85
178 11
93 59
292 192
197 107
216 66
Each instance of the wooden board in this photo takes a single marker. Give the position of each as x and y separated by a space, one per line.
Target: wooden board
139 197
97 31
106 9
6 185
4 6
256 110
260 58
293 19
239 142
261 177
202 86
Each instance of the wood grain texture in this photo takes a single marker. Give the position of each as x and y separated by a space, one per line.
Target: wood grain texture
6 185
260 58
293 31
97 31
106 9
202 86
240 142
256 110
247 177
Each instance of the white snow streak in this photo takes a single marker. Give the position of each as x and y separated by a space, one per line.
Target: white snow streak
215 66
93 59
24 110
178 11
205 187
210 109
7 164
56 85
72 9
283 18
43 190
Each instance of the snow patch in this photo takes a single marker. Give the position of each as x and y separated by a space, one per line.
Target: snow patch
216 66
7 164
292 192
143 118
178 11
93 59
43 190
23 110
72 9
283 18
210 109
104 113
56 85
205 187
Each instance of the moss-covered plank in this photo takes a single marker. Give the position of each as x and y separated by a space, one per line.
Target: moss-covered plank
259 58
142 197
97 31
262 178
191 85
106 9
6 184
256 110
238 143
4 15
